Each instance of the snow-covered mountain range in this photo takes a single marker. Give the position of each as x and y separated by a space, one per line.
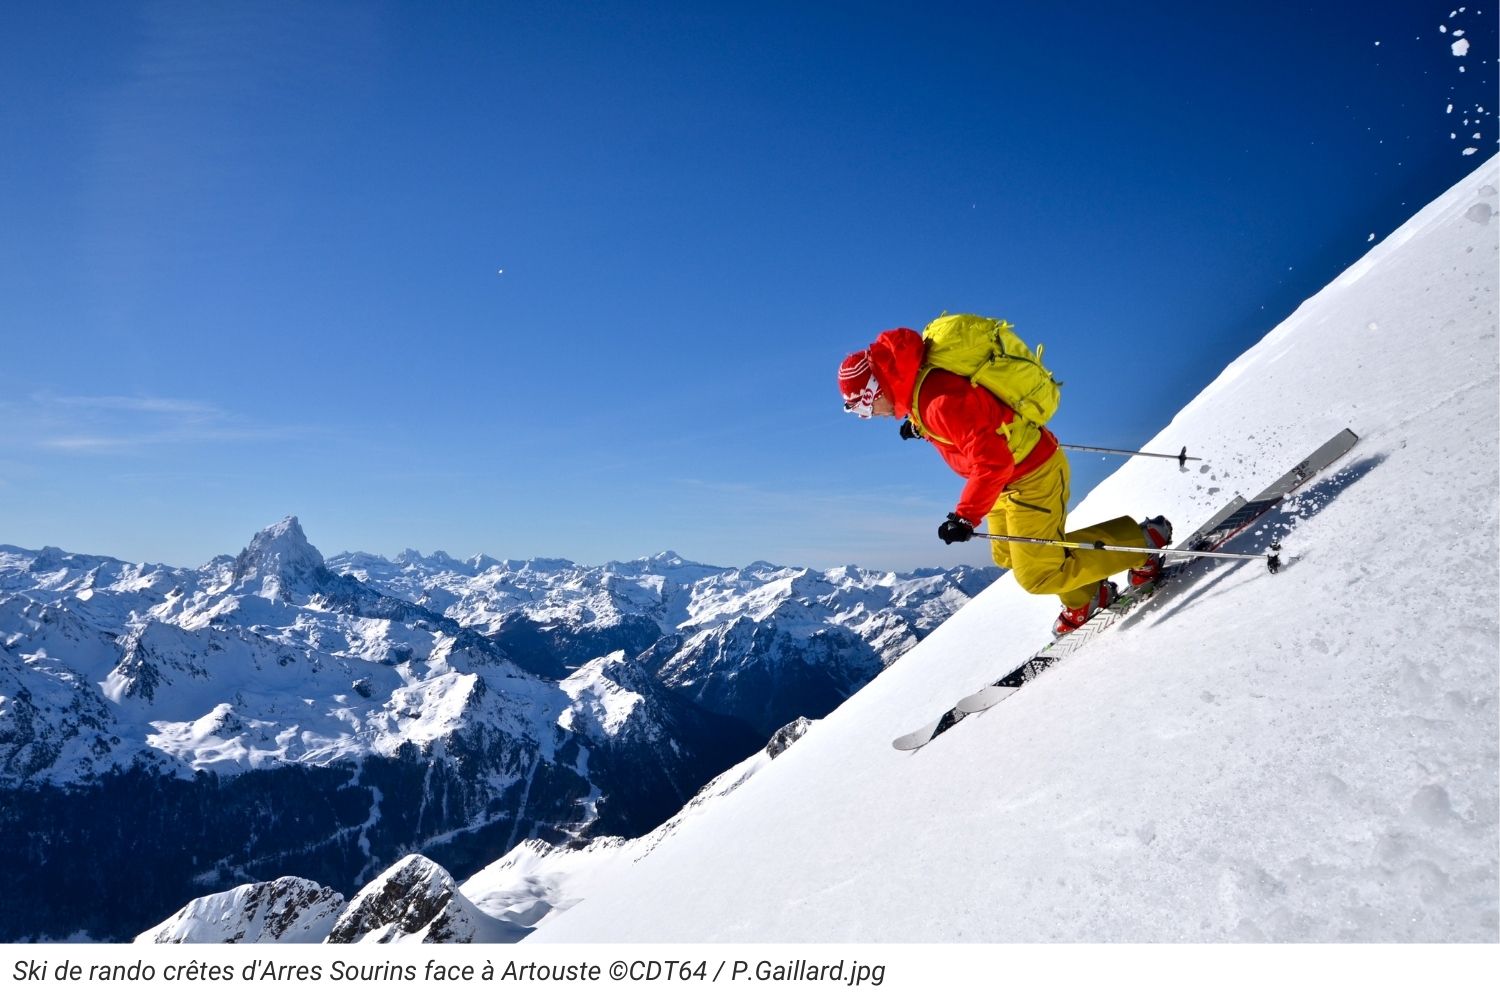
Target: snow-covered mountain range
287 715
1309 756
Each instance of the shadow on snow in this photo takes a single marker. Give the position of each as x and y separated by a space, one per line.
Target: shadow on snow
1270 530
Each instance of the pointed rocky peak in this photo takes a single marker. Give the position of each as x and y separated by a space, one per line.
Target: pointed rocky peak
416 900
279 562
787 735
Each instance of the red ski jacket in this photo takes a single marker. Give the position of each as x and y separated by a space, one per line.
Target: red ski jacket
966 417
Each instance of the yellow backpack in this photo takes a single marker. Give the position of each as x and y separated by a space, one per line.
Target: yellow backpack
987 352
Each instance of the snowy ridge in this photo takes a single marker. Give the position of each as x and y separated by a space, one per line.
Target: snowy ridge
569 703
671 593
287 910
1307 756
275 657
598 698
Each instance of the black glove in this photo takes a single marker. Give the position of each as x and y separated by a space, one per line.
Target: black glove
909 431
955 529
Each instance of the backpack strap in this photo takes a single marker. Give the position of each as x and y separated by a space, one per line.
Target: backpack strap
915 416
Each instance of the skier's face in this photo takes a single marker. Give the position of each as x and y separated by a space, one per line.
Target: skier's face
869 403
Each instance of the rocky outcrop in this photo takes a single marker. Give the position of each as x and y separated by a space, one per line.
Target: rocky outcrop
416 900
286 910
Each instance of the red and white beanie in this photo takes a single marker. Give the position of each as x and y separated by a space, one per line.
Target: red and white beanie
857 383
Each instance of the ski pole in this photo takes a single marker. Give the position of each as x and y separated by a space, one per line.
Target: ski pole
1273 560
909 433
1183 458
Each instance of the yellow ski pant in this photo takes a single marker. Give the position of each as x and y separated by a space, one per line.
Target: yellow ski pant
1036 506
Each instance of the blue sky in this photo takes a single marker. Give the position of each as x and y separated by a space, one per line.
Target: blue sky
572 279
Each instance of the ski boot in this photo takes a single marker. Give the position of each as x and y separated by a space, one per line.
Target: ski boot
1071 618
1158 532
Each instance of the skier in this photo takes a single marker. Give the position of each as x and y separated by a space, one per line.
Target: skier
1016 473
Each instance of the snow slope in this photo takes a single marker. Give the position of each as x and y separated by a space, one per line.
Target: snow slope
1303 757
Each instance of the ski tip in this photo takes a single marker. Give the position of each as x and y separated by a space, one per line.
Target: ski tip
915 740
921 737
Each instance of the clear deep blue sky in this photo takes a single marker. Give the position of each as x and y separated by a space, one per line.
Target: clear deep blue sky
251 253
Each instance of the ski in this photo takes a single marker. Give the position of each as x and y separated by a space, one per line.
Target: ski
928 733
1232 519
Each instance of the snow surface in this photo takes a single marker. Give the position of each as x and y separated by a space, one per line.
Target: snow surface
1310 756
